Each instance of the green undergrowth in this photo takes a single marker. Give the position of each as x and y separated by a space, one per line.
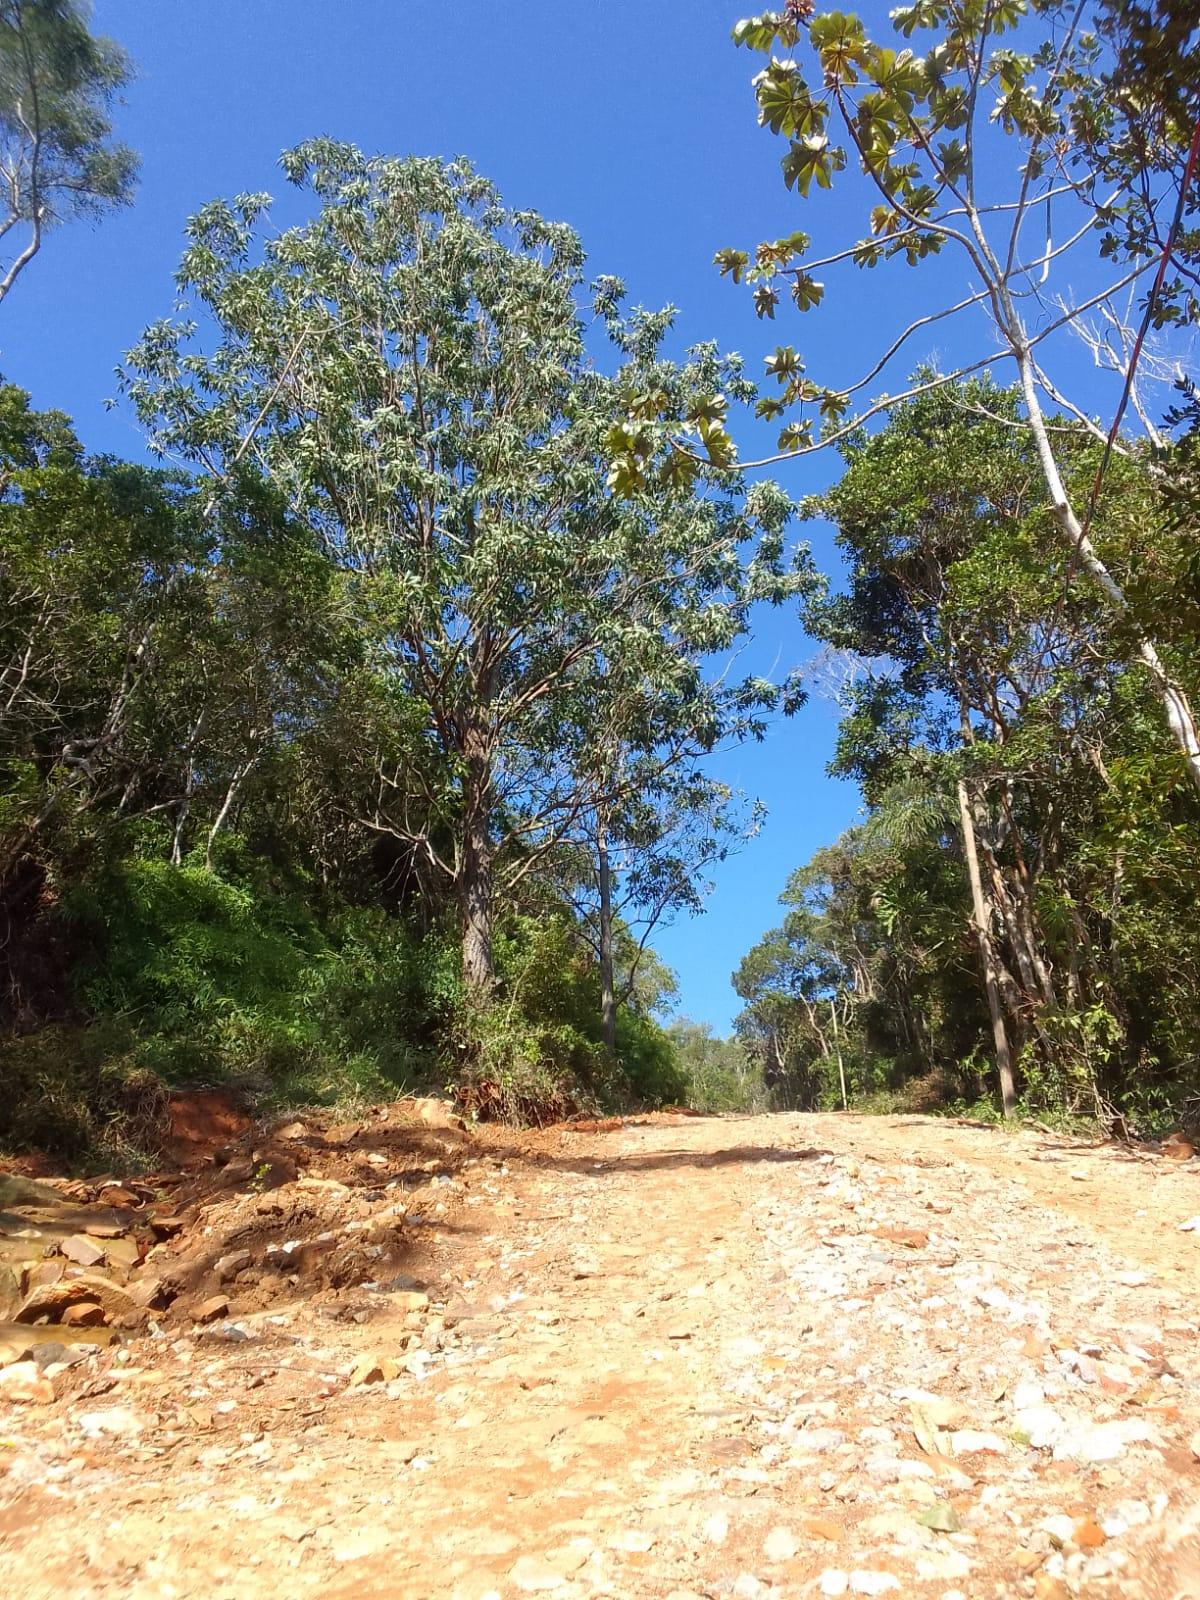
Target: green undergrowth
184 978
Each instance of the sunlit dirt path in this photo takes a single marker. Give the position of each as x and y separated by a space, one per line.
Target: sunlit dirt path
781 1356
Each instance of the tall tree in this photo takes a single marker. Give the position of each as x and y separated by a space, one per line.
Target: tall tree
1027 160
408 370
58 159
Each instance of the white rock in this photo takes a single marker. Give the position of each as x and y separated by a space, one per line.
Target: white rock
954 1564
1102 1441
716 1528
1043 1425
872 1582
115 1422
1060 1527
1028 1394
635 1540
747 1587
780 1545
833 1582
23 1383
817 1441
1124 1515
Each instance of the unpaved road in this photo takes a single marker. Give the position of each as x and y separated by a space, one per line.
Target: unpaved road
776 1356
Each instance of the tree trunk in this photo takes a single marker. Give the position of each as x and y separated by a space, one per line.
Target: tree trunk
841 1063
983 932
608 998
1179 715
475 874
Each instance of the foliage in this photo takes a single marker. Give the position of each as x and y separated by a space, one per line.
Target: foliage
990 679
407 372
719 1075
58 83
191 723
1014 109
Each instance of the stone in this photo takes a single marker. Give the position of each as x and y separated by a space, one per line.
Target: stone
823 1528
1088 1534
83 1314
1041 1424
716 1528
109 1230
873 1582
84 1252
228 1267
212 1308
780 1544
1060 1528
24 1384
945 1567
1047 1587
10 1292
636 1541
543 1574
833 1582
150 1293
1102 1441
374 1369
50 1300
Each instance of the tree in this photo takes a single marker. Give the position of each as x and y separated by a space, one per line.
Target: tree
645 856
935 137
57 158
1015 782
408 371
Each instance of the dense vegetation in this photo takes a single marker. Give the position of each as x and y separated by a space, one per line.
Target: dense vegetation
366 746
1017 635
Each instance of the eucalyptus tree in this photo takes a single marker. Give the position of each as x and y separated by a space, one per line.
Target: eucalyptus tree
58 159
1018 144
408 370
997 736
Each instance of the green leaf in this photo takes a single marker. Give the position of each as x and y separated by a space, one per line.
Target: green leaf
953 157
841 45
812 158
761 32
785 102
941 1517
765 300
806 291
796 436
784 363
732 263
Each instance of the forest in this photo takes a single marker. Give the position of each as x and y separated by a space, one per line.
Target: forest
357 730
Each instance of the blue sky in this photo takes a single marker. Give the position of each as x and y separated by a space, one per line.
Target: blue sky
631 119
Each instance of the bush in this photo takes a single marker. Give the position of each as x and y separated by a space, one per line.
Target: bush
80 1094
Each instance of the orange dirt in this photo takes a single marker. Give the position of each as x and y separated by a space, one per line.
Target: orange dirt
774 1356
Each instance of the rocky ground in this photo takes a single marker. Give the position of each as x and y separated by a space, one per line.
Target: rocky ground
776 1356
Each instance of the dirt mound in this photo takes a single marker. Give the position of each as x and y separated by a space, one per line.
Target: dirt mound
301 1208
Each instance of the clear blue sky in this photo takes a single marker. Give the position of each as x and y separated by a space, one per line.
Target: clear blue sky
631 119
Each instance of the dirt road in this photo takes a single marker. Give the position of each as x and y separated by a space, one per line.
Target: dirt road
779 1356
